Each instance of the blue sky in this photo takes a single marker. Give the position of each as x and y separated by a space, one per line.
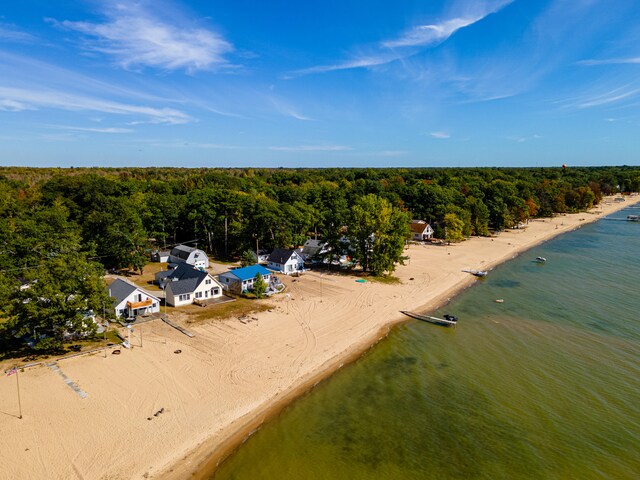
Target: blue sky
320 84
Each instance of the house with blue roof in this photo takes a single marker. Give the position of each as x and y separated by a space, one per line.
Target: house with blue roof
242 279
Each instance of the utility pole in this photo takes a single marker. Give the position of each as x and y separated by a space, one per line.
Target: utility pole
225 233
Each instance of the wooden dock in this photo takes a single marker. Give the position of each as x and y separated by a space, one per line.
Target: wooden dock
177 327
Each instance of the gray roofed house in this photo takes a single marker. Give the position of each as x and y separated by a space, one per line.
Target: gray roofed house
131 300
186 284
285 261
312 249
189 255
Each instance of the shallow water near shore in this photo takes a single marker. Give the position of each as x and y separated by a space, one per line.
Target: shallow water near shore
544 385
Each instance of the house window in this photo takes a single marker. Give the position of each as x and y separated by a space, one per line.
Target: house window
139 297
214 291
198 294
207 282
186 296
206 294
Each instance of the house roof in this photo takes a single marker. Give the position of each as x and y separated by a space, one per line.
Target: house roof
182 251
185 279
121 289
247 273
311 247
419 226
188 285
281 255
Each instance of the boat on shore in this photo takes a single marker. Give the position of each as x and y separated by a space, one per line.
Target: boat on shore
447 321
477 273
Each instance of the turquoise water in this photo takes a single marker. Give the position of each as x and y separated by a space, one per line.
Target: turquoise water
543 386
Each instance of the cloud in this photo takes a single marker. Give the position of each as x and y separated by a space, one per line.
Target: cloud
289 111
599 99
611 61
136 37
9 105
95 129
313 148
32 99
425 35
440 135
11 34
414 40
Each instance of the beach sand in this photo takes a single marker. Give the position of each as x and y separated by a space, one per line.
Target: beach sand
233 374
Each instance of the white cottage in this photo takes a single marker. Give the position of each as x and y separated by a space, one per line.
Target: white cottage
189 255
186 284
285 261
131 301
420 230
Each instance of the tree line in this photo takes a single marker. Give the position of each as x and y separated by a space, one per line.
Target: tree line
61 228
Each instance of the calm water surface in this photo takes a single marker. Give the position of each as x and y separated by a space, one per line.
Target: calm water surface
543 386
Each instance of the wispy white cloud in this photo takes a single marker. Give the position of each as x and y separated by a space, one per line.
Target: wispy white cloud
10 33
286 109
440 135
33 99
608 97
431 34
135 36
94 129
188 144
523 139
611 61
313 148
10 105
417 38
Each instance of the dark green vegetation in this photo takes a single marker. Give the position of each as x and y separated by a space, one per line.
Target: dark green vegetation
59 229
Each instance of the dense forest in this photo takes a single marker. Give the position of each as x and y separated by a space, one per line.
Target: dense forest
61 228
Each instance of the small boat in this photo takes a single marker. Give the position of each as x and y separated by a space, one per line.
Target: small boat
499 300
633 218
540 260
477 273
447 321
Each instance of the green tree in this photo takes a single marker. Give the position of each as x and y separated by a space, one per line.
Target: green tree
247 258
453 228
259 286
377 233
58 294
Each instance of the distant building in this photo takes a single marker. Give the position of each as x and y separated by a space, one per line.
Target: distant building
313 249
189 255
131 301
421 230
285 261
242 279
162 257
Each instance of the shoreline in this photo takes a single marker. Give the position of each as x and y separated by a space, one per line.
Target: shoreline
231 377
213 451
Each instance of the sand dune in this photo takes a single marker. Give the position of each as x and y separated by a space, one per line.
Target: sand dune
153 413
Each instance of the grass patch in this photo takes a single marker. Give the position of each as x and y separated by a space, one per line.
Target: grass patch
386 279
239 308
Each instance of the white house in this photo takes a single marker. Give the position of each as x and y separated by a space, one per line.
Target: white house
242 279
185 284
420 230
285 261
190 256
131 301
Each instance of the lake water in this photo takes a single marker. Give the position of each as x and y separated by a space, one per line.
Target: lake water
543 386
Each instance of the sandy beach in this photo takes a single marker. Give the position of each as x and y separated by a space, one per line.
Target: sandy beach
152 413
